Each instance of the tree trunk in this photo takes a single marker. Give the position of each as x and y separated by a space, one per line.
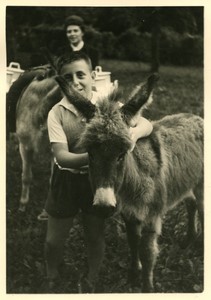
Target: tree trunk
155 62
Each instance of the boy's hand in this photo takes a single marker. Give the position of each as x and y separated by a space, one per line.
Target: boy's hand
133 137
142 129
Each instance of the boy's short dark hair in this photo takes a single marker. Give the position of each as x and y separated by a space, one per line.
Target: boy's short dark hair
73 56
74 20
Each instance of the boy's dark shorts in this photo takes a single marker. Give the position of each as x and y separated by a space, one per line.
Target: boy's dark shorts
68 194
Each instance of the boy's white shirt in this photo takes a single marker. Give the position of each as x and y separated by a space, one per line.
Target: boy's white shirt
55 131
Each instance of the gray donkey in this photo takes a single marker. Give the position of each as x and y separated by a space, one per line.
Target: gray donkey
162 170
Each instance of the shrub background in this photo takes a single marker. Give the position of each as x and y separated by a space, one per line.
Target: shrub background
119 33
132 45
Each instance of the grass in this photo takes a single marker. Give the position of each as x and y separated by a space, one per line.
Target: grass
179 89
177 270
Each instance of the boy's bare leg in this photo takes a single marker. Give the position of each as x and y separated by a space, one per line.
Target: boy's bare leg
57 232
94 236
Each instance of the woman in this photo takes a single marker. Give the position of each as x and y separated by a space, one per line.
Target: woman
75 30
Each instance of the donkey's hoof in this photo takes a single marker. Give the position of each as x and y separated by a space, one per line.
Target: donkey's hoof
22 208
43 216
135 277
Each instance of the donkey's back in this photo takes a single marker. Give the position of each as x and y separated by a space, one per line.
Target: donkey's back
31 126
32 110
180 141
164 168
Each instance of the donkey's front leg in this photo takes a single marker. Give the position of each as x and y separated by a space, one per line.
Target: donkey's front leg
94 237
148 251
26 156
133 229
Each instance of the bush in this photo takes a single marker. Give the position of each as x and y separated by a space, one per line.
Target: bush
132 45
192 48
129 45
170 45
180 49
109 45
93 37
145 42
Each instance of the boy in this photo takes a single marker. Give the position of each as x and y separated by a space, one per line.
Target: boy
70 187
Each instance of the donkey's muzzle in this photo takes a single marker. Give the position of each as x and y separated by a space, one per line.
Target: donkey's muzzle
104 203
103 212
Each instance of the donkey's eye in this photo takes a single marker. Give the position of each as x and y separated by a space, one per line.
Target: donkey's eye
121 157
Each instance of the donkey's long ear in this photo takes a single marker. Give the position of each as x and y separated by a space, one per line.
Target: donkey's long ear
138 98
50 58
81 103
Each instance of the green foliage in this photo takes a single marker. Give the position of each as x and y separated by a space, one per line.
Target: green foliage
117 19
93 37
109 45
175 48
134 46
181 20
120 32
180 49
129 45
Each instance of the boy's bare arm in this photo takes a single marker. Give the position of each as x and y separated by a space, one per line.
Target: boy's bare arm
68 159
141 128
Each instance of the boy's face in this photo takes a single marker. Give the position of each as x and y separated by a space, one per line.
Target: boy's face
79 76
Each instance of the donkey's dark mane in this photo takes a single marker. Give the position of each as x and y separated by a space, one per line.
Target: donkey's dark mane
131 172
106 125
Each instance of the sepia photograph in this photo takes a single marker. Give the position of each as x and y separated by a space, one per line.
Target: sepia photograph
104 142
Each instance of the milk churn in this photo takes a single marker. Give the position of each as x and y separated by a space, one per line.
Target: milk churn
13 72
103 82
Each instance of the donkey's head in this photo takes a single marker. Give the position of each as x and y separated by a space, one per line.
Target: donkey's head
106 137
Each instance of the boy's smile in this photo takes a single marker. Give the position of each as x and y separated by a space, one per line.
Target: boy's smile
79 76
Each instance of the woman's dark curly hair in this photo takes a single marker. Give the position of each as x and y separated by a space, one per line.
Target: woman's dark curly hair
74 20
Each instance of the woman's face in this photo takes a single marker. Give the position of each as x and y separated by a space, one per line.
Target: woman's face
74 34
